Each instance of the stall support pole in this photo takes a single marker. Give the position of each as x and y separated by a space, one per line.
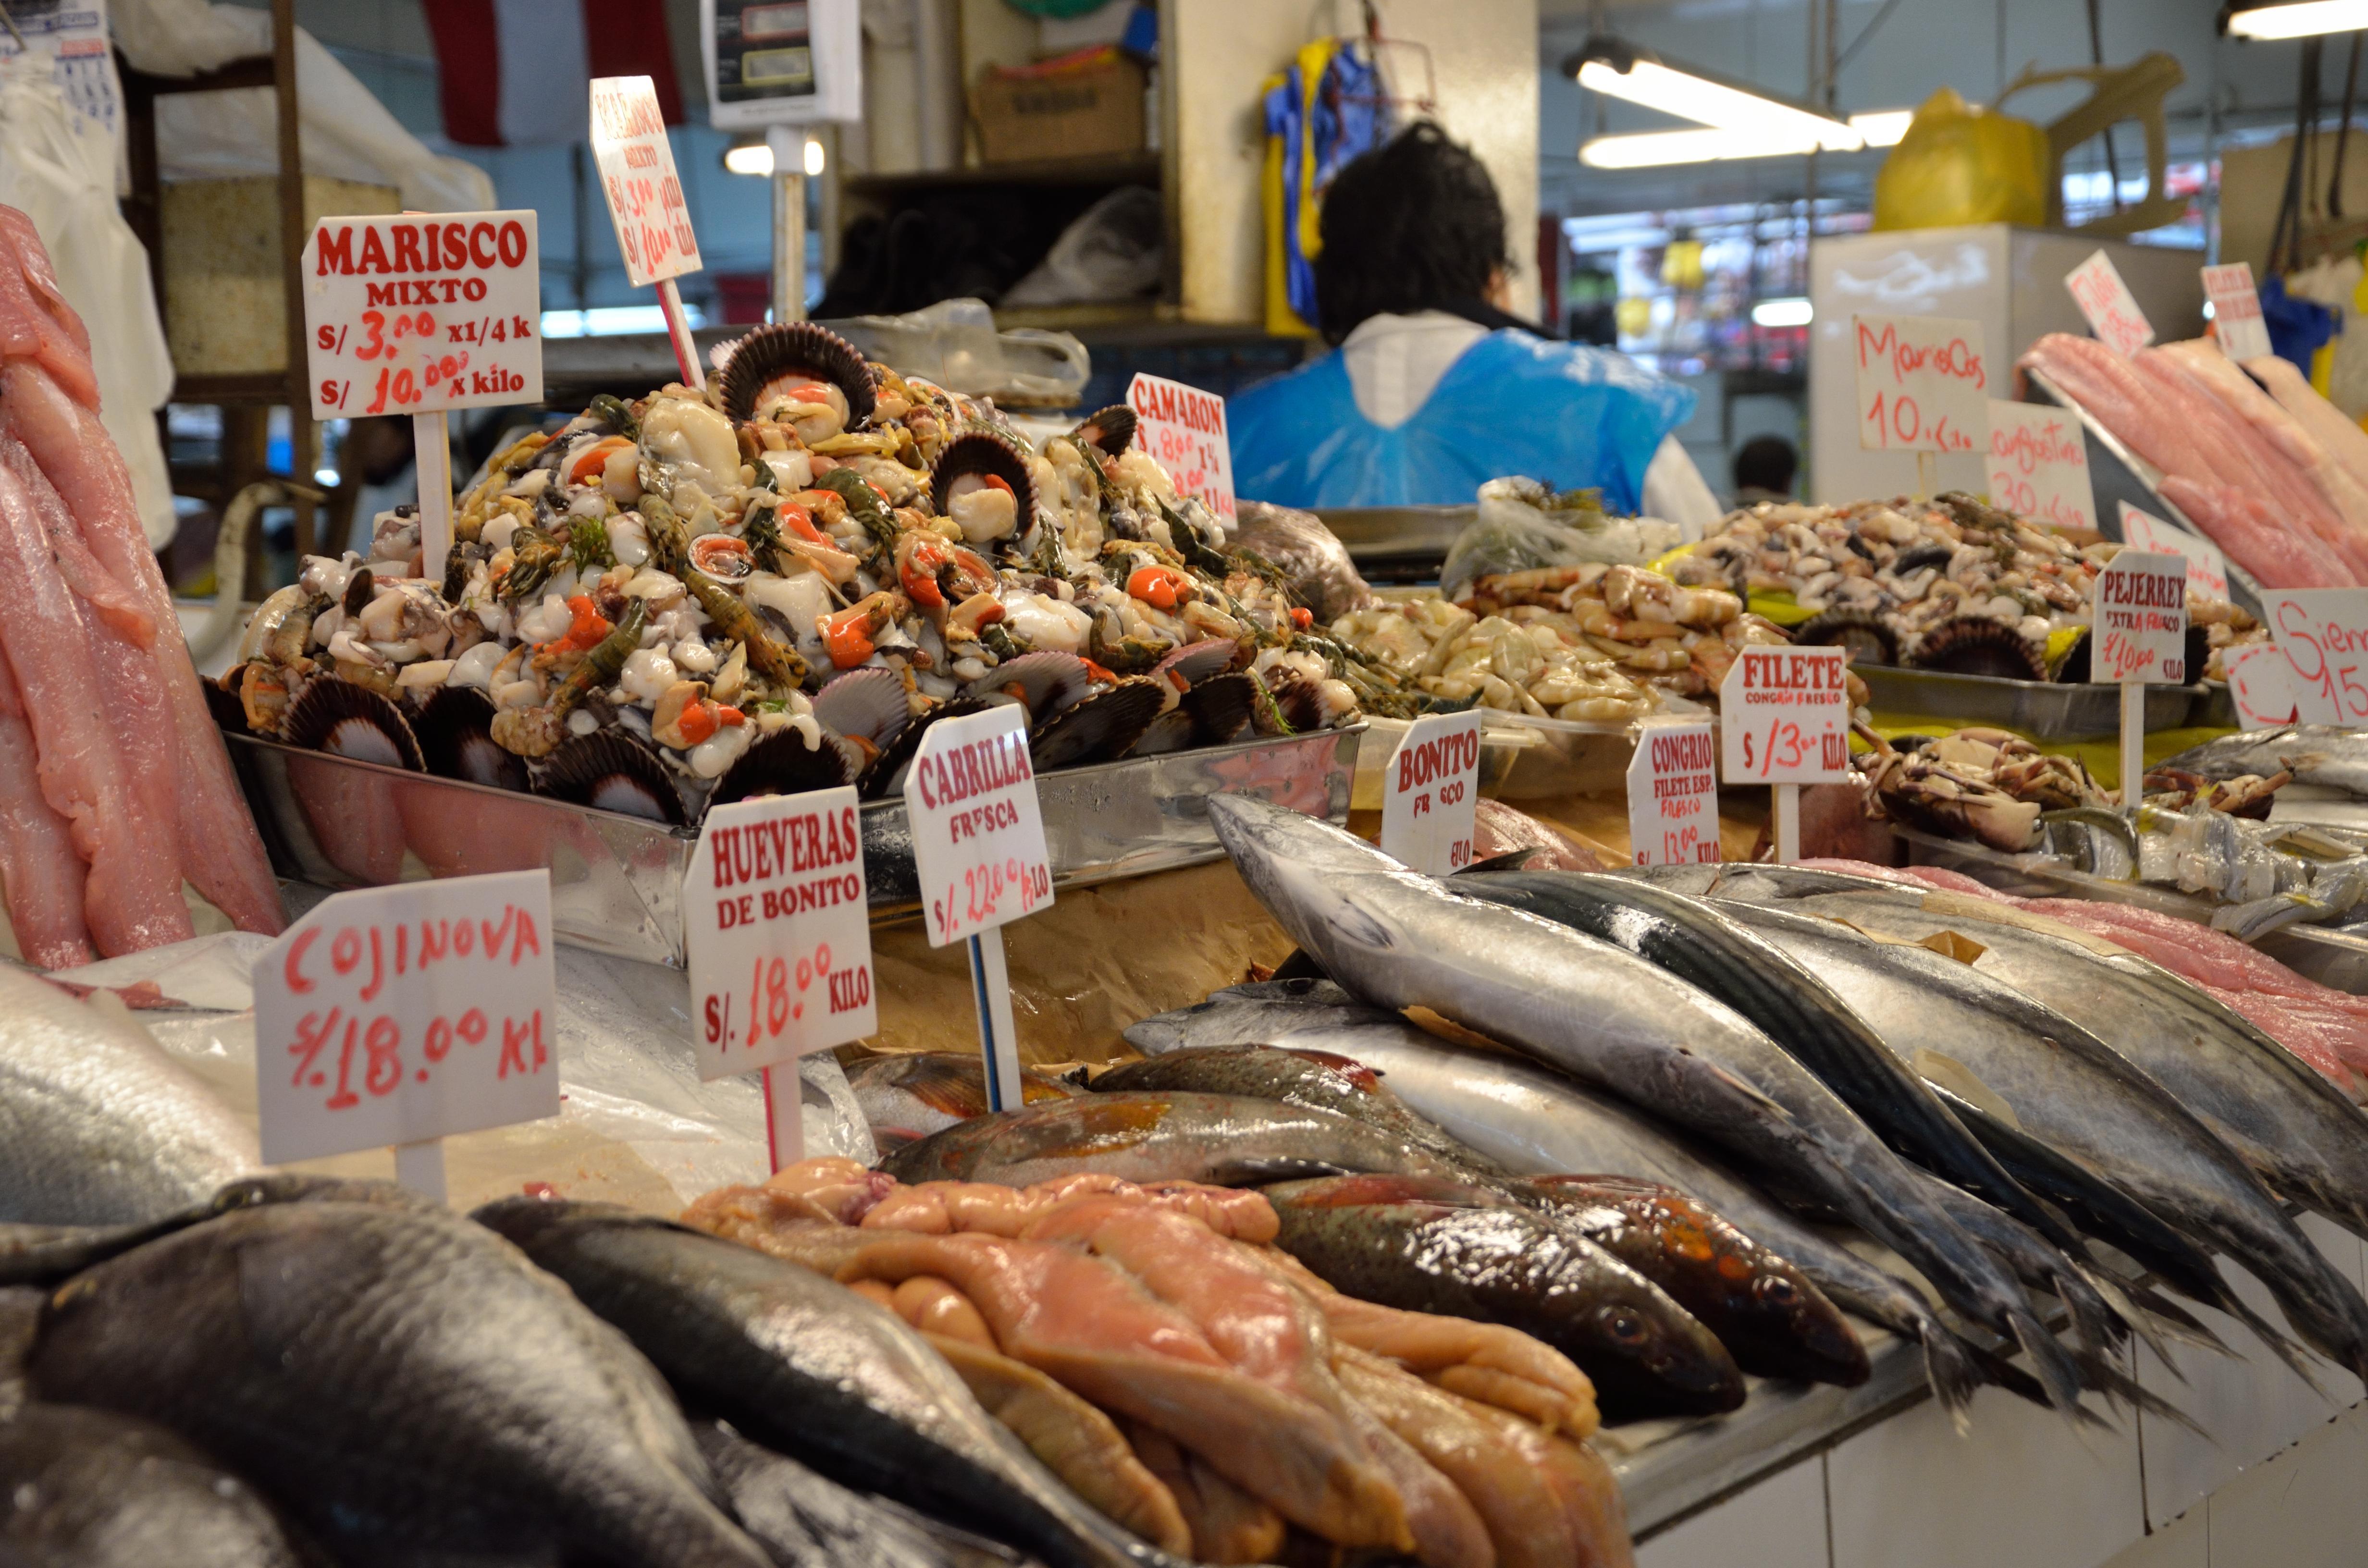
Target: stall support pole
420 1166
998 1041
1788 823
2132 742
787 145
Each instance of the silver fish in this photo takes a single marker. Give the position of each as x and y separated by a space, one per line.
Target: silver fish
1398 939
2321 754
2069 1088
98 1127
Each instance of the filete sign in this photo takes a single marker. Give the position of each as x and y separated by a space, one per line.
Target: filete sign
779 928
2039 464
1673 793
2138 618
1184 428
978 832
420 313
395 1015
1922 384
1431 793
629 138
1785 717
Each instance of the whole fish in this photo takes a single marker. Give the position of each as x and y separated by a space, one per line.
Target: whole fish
2321 754
908 1097
805 1520
1224 1140
808 1368
1295 1076
396 1380
2068 1089
98 1127
1398 939
1431 1246
84 1488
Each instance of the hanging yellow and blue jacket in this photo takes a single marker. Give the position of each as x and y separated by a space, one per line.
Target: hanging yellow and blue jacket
1326 109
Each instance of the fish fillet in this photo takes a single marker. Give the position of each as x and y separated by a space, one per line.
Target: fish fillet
2343 439
2343 492
942 1208
42 874
36 323
116 602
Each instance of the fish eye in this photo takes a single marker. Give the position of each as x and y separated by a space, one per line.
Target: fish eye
1776 1291
1624 1326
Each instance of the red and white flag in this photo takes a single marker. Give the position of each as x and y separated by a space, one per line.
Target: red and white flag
513 71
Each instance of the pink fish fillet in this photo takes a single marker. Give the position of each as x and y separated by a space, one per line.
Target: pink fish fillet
2343 493
218 848
2344 440
43 874
36 323
131 898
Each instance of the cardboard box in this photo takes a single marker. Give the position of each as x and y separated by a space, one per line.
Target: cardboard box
1069 111
225 305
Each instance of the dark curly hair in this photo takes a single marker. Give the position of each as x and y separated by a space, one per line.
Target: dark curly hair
1407 227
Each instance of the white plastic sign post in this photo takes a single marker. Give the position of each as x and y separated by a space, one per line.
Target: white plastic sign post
2113 312
2207 568
418 314
1430 792
1184 428
1673 793
778 930
2236 311
2137 620
2323 634
2039 465
393 1017
629 138
2263 686
1784 720
978 844
1921 383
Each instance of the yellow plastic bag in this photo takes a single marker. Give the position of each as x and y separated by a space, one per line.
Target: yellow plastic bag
1960 165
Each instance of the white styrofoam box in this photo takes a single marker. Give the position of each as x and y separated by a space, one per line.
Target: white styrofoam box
2184 1544
2010 279
1780 1523
2024 1487
2305 1509
2252 1404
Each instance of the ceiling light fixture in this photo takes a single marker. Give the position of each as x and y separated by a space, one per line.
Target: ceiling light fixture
1621 70
749 158
1659 149
1794 312
2294 18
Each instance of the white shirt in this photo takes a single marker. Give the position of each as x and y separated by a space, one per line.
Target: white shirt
1395 362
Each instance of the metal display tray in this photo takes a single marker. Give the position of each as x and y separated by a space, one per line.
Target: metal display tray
616 881
2045 711
2334 958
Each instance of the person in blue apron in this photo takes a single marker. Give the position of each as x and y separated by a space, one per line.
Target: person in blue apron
1433 387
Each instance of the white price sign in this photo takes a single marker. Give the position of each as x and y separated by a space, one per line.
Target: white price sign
629 138
1921 383
978 832
2138 620
1673 793
424 312
1431 793
2207 568
1785 717
2236 311
2263 686
396 1015
2039 465
2323 634
1184 428
2113 312
779 932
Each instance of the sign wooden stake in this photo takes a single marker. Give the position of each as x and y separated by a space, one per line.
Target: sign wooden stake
1788 823
998 1038
2137 618
686 347
1924 481
785 1115
431 441
2132 742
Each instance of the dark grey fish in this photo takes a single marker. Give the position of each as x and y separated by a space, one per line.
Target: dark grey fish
811 1370
84 1488
805 1520
1397 939
395 1379
2321 754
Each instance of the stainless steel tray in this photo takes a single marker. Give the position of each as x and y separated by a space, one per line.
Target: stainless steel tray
616 881
1398 544
2045 711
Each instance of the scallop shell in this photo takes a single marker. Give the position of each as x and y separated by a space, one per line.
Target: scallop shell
1221 708
981 449
1976 645
1049 682
1190 665
1102 726
456 739
1871 639
868 706
782 764
221 701
785 349
886 771
1111 429
610 771
1172 730
1288 705
2072 669
348 720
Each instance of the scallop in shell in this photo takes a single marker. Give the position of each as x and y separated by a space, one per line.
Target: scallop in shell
1221 708
1111 429
610 771
1976 645
1183 668
783 764
1868 638
456 740
869 706
980 482
886 773
348 720
772 360
1101 727
1047 682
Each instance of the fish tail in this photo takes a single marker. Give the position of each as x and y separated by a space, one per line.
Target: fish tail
2126 1310
1950 1369
2098 1324
2053 1365
2115 1385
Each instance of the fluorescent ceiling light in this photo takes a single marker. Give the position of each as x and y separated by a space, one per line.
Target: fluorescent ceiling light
2297 18
754 158
1623 71
1884 127
1652 149
1782 312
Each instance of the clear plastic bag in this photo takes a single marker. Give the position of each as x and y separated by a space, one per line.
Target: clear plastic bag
1523 524
954 343
1114 251
1310 554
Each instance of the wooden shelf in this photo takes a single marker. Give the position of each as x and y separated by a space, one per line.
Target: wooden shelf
1133 168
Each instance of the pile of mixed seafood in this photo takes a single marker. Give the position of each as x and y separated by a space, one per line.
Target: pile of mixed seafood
777 585
1951 585
1591 642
